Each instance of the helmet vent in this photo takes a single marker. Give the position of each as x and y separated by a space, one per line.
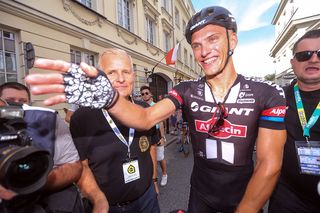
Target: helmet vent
197 18
221 17
210 12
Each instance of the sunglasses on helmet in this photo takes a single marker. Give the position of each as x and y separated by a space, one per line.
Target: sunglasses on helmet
219 121
306 55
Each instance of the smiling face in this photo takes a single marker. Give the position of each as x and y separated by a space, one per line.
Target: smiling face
210 48
146 95
307 72
118 67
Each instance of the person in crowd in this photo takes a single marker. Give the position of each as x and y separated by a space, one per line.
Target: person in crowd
227 114
296 190
147 97
117 165
48 128
174 122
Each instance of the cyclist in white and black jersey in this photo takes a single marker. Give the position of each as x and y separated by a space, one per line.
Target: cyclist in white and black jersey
226 112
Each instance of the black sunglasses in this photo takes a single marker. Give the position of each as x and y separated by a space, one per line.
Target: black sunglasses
306 55
221 115
145 93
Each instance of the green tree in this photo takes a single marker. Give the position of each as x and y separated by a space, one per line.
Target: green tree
270 77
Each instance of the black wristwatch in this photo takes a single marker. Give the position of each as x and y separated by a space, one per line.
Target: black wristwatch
155 179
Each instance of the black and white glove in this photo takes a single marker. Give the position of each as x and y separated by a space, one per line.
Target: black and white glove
85 91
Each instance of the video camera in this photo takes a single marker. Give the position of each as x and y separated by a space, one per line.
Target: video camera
23 167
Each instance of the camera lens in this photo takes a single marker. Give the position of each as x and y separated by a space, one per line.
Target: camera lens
24 169
28 170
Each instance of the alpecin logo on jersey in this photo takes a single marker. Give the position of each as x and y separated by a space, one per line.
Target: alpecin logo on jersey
275 114
227 130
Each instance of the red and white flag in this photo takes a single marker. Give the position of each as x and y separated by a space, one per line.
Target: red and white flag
171 56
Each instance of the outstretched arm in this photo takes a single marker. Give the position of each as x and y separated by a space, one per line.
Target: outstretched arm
141 118
270 145
128 113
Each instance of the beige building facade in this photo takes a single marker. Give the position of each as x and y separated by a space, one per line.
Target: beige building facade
78 30
292 19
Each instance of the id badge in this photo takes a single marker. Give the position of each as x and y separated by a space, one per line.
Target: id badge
131 171
308 155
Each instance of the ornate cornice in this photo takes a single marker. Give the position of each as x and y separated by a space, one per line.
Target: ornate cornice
127 36
152 49
67 5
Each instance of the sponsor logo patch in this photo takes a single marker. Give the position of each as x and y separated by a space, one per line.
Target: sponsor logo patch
176 95
226 131
279 111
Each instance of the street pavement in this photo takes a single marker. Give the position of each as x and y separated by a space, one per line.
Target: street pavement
175 194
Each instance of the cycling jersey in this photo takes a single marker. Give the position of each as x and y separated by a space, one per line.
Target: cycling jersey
223 160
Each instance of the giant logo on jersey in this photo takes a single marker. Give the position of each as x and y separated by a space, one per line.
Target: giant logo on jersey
226 131
194 106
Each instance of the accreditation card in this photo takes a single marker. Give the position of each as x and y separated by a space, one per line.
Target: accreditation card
308 154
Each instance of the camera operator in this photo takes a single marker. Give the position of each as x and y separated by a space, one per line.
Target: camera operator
51 133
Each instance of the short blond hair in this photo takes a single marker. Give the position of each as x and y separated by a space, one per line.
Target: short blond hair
115 51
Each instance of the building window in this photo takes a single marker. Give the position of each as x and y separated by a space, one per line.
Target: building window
177 17
166 41
151 30
125 14
8 60
179 51
87 3
191 61
166 5
185 56
184 25
77 56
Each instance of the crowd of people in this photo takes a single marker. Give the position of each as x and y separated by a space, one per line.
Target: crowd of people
116 140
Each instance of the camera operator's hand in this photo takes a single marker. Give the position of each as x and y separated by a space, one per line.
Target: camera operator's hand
6 194
83 85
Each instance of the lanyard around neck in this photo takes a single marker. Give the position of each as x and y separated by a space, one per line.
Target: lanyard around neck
117 131
306 125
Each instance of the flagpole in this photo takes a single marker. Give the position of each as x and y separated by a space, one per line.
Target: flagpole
152 70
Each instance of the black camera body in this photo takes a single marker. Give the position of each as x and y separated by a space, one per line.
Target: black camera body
24 167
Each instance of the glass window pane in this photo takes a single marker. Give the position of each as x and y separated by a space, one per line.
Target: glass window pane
9 45
86 57
1 40
11 64
87 3
120 13
8 35
73 59
1 61
12 78
78 57
91 60
2 78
